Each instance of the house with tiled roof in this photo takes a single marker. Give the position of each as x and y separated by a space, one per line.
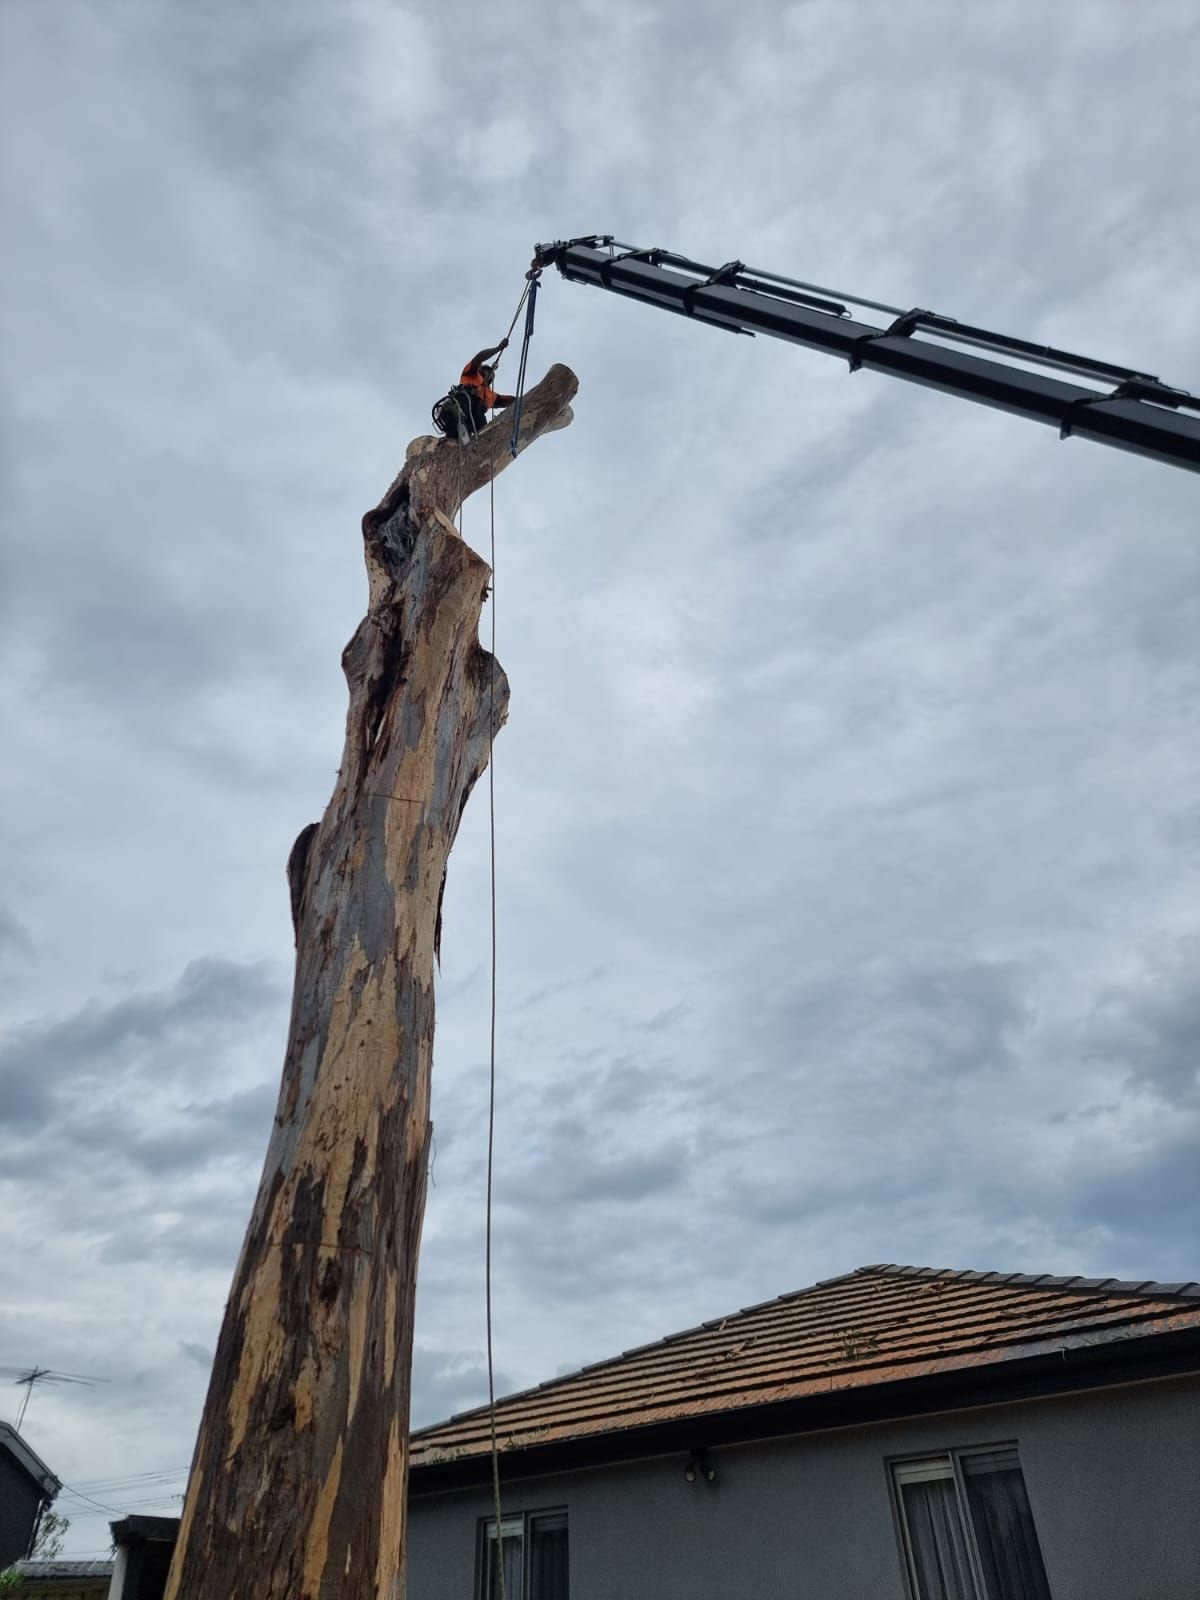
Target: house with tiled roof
898 1433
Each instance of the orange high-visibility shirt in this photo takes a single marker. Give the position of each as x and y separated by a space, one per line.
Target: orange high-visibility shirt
472 378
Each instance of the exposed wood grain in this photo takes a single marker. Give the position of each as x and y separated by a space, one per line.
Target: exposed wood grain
299 1482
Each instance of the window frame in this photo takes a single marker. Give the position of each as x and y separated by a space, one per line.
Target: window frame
511 1522
950 1456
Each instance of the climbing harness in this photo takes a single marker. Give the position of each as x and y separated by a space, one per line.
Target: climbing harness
452 414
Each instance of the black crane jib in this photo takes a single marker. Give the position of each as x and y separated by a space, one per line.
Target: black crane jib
1137 413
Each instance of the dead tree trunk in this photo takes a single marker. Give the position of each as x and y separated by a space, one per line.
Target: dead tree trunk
299 1483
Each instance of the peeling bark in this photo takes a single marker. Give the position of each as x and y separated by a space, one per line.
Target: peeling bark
298 1488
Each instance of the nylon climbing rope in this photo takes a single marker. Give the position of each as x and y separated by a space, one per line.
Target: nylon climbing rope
529 293
491 1135
491 1132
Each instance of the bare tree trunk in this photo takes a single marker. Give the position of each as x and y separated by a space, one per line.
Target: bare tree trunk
299 1483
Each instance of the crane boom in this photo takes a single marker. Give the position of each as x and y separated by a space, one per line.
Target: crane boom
1138 412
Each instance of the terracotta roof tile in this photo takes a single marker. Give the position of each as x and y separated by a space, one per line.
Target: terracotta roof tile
876 1326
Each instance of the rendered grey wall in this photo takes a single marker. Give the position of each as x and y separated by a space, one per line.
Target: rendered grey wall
1113 1479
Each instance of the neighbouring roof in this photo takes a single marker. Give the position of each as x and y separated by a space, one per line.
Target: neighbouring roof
844 1341
28 1460
63 1571
137 1529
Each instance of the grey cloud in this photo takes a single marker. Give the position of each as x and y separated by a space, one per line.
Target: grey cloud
133 644
209 993
449 1380
25 1100
1183 829
662 1020
1152 1028
572 1173
15 943
128 1095
845 852
895 1024
1146 1199
236 1128
554 990
208 1235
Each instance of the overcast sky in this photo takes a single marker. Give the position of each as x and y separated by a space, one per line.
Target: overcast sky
849 805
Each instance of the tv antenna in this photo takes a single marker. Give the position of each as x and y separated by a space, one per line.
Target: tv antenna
27 1377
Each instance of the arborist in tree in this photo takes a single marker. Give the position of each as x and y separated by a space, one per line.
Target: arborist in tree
464 410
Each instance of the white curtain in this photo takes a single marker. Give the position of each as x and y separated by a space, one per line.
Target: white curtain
937 1540
511 1548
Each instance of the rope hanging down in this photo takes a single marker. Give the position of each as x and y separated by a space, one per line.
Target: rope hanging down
528 300
491 1135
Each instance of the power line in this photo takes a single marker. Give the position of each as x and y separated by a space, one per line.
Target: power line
87 1499
132 1480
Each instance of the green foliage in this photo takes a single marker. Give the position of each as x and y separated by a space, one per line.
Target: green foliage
51 1532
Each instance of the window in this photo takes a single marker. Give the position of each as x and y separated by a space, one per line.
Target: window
966 1527
533 1550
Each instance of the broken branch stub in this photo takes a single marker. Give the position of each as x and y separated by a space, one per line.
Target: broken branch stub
299 1483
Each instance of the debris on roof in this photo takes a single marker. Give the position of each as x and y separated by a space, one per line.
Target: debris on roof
874 1327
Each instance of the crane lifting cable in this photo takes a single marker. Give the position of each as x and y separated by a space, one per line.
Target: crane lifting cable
532 279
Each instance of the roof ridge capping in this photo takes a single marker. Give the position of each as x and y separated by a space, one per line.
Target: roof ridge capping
1148 1288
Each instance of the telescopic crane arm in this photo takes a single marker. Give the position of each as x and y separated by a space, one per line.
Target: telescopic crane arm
1130 410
